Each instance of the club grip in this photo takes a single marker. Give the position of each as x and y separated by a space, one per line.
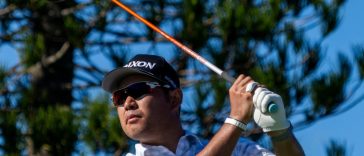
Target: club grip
272 107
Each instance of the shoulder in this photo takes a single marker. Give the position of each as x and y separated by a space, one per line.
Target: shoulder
189 144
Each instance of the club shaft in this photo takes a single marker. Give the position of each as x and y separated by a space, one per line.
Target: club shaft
184 48
177 43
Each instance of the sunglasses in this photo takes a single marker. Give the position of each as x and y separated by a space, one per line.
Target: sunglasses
136 90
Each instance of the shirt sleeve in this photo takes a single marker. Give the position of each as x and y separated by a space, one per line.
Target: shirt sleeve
248 147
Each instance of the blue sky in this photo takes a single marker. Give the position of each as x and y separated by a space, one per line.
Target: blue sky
347 127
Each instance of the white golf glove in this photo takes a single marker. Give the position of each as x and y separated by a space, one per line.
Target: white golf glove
269 121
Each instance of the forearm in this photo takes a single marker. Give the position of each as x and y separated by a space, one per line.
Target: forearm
223 142
285 143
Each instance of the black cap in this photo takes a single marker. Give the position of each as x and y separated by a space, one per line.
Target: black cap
152 66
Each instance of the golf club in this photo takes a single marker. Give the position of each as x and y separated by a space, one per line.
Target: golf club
271 107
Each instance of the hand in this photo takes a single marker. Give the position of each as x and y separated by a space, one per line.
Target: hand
241 102
269 121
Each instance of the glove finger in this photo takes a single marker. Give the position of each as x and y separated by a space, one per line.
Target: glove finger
261 96
251 87
266 100
257 92
277 99
255 95
257 116
260 101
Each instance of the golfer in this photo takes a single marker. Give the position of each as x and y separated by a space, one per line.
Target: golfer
146 93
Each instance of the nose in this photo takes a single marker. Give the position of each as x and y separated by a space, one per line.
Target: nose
130 103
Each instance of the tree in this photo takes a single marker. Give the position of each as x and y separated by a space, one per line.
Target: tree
47 35
63 46
336 148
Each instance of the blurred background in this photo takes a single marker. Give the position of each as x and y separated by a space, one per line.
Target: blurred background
54 54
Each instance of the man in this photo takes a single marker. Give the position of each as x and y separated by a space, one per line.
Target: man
146 92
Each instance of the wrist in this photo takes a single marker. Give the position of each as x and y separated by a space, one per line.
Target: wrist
241 118
235 122
280 135
277 126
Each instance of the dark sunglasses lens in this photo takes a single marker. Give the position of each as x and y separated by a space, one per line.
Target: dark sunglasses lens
136 91
119 97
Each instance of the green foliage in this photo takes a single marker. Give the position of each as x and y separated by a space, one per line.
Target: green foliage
194 31
220 89
330 15
34 49
336 148
312 61
274 79
32 99
38 3
359 55
75 31
207 112
10 132
53 130
328 91
2 77
264 39
203 117
154 15
246 20
227 15
103 131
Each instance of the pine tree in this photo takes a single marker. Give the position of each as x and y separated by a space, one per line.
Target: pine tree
48 102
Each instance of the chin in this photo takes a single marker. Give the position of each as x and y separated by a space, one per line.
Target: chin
140 136
136 137
134 134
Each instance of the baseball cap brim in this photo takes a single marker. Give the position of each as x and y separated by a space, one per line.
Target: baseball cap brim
113 80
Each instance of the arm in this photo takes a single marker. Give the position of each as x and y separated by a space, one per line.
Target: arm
275 124
242 109
225 139
285 143
223 142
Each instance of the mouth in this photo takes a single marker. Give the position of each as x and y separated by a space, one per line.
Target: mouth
132 118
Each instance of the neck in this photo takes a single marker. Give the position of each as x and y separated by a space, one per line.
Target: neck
168 138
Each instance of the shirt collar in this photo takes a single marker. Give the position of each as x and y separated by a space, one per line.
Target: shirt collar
187 142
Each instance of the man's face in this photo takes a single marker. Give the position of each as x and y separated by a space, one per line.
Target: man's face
145 118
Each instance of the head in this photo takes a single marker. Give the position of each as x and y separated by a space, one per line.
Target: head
147 95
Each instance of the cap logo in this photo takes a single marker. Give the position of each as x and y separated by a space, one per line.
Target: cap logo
142 64
153 84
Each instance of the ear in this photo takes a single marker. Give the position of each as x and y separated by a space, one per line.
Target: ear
175 97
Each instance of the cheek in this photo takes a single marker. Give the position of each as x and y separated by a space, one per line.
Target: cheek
157 109
121 116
